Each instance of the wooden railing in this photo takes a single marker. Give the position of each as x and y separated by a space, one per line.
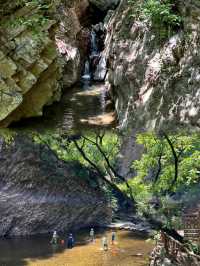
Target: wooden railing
192 226
177 251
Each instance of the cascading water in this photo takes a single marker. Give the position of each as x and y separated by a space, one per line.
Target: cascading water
101 69
94 46
87 73
93 55
100 64
86 105
96 66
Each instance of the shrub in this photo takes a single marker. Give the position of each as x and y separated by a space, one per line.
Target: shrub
161 13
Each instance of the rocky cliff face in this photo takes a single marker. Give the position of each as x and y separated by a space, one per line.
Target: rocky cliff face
39 193
155 83
105 4
38 47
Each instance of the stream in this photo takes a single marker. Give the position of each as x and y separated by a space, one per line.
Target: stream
129 250
82 107
86 105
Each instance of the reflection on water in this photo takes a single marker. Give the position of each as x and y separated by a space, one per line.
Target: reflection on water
128 251
81 107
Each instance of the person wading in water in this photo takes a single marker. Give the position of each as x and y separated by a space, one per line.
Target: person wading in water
105 243
92 235
70 241
55 237
113 237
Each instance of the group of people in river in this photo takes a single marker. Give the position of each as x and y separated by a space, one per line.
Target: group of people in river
55 240
104 239
71 242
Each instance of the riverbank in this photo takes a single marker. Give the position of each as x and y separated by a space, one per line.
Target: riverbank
142 228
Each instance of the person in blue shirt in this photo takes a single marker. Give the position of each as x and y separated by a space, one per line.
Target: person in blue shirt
70 241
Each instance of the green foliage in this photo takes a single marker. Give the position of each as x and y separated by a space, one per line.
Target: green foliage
41 4
156 170
194 247
7 135
36 21
159 12
67 151
186 147
110 198
150 187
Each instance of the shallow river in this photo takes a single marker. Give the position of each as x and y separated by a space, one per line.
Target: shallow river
129 250
82 107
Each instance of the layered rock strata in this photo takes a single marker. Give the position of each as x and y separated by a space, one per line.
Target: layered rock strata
38 49
39 193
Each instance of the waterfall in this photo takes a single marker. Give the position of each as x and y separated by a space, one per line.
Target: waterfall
98 57
101 69
95 67
94 46
87 74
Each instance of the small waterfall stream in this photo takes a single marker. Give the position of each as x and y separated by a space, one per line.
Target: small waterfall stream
94 46
101 69
86 104
95 67
87 73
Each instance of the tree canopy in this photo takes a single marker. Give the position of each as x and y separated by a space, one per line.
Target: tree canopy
168 167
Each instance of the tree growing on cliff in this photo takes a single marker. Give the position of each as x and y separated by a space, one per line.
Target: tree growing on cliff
169 161
97 150
168 167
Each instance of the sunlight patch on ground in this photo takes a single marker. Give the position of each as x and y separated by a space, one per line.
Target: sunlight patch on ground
104 119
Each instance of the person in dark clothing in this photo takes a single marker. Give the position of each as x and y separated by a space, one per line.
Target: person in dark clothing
113 237
70 241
